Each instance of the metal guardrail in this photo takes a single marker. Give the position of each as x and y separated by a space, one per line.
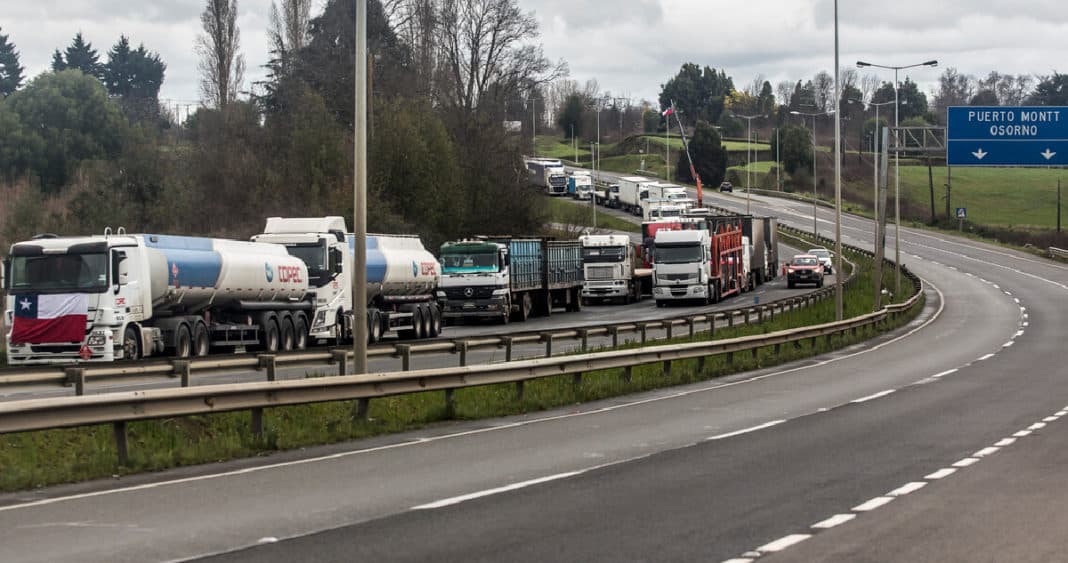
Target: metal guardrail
1055 252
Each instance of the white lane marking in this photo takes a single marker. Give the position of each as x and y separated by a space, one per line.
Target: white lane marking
268 539
968 461
986 357
996 286
1022 433
941 473
783 543
341 455
836 520
906 489
1062 413
1017 300
739 560
746 430
1019 333
1005 442
873 397
1037 426
1007 344
1009 293
872 504
945 373
1026 324
1050 418
987 451
495 491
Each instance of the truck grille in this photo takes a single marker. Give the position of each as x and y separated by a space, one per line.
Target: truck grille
597 273
675 277
483 292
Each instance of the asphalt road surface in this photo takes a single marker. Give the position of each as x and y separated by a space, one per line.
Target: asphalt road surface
894 450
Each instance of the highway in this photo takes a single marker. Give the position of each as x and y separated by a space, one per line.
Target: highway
942 441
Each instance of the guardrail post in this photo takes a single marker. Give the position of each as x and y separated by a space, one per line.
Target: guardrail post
584 334
691 323
342 359
548 339
642 329
760 314
700 365
405 351
450 403
576 380
461 348
76 377
614 331
667 367
507 348
746 312
183 369
756 353
730 319
712 325
257 423
363 407
669 326
121 448
628 374
730 358
520 388
269 362
778 349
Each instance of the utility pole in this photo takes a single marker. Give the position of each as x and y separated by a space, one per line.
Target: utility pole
838 301
1058 206
359 206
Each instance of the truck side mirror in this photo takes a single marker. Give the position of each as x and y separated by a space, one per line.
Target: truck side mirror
120 269
337 264
5 267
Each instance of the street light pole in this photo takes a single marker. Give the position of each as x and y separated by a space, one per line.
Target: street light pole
815 223
359 203
838 307
897 166
748 147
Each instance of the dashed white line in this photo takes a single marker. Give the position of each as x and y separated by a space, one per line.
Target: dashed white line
941 473
1007 344
873 397
1037 426
1062 413
739 560
1005 442
872 504
1022 433
966 462
1050 418
783 543
745 430
1017 300
986 357
1019 333
514 486
945 373
836 520
986 451
907 489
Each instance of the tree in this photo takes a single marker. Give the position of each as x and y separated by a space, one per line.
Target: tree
570 117
796 151
766 99
1010 90
709 156
823 91
135 77
954 89
913 101
222 66
79 55
783 91
852 102
10 69
701 93
1051 90
984 97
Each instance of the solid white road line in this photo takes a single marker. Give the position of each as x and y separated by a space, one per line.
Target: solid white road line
941 473
836 520
872 504
783 543
498 490
745 430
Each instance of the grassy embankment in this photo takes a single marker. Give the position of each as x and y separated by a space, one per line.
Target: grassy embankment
567 212
42 458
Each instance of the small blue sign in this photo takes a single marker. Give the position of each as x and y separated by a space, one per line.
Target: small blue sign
962 213
1007 136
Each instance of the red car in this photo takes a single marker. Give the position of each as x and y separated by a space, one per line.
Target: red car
804 268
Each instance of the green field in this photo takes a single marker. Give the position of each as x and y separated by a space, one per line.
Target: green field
568 213
676 144
763 167
551 146
1016 197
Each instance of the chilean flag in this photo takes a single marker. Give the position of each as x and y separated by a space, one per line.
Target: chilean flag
47 319
668 111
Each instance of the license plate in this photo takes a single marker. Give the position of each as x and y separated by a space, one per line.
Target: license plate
469 305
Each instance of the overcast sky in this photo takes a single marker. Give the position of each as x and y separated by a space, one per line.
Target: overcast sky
629 46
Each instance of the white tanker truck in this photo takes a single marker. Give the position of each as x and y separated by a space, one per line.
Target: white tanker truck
104 298
402 278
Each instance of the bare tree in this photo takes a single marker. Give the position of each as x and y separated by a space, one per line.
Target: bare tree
487 53
869 84
754 87
823 84
849 78
288 32
783 91
954 89
416 23
222 67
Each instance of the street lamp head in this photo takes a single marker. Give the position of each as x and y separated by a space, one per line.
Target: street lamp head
795 112
862 64
931 63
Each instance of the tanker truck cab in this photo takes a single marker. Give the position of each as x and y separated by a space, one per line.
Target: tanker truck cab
475 280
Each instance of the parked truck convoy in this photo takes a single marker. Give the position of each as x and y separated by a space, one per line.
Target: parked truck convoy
115 296
548 174
613 269
506 278
402 278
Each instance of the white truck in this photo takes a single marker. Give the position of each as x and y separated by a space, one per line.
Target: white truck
682 267
662 209
612 269
662 190
633 191
402 278
549 174
120 296
580 185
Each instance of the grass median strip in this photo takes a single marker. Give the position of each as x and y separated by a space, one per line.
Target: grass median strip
36 459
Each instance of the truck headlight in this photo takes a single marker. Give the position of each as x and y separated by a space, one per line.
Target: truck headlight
699 289
97 338
440 294
500 292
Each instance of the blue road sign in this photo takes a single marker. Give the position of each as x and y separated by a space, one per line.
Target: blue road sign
1007 136
962 213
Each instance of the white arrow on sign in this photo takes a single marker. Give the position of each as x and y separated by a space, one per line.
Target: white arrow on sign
979 154
1048 154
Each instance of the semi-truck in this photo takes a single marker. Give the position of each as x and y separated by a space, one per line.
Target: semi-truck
548 174
613 269
633 191
663 190
127 296
402 278
702 264
580 185
505 278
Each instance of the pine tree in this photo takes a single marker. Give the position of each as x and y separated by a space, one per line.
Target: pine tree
10 69
58 64
80 55
135 76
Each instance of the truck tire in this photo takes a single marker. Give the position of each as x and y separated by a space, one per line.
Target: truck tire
201 340
301 332
525 307
183 342
269 335
422 330
435 320
507 316
131 344
287 334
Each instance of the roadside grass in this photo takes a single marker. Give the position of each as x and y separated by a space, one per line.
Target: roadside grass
676 143
38 459
763 167
569 212
551 146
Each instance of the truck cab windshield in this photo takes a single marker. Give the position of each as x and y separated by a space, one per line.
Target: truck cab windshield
314 256
600 254
469 263
677 253
60 273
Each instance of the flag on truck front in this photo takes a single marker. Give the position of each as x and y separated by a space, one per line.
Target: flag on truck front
46 319
668 111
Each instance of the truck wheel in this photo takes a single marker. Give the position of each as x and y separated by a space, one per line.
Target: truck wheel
183 342
287 334
374 326
269 336
576 300
435 320
423 331
507 316
525 308
131 344
300 333
201 340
